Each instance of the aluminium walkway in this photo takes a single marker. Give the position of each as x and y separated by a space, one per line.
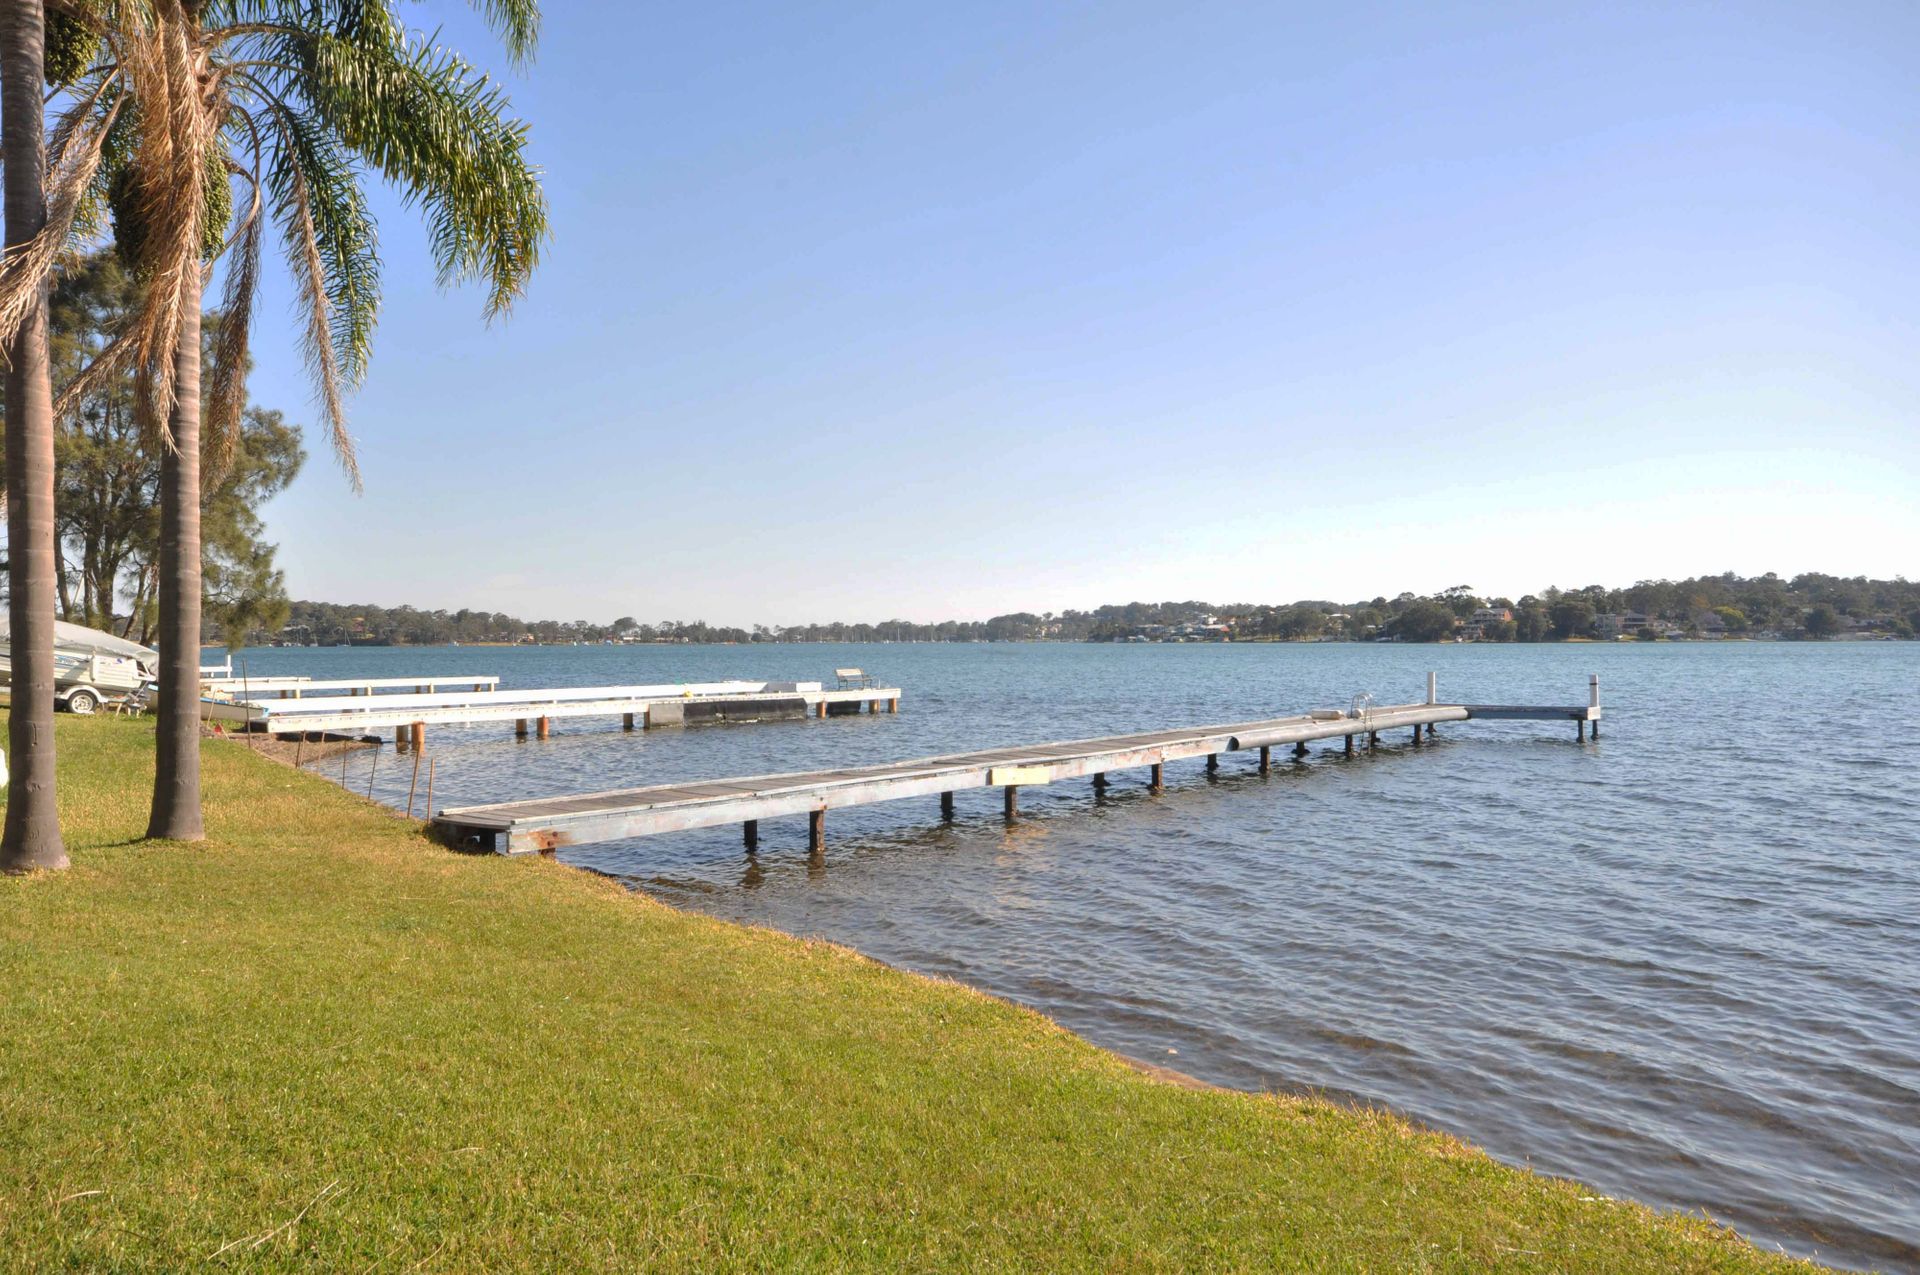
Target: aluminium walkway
547 824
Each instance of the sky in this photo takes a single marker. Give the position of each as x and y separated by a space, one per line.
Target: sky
871 311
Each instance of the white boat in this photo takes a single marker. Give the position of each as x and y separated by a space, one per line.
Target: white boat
89 667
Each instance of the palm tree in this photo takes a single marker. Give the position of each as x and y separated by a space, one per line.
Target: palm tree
32 837
292 103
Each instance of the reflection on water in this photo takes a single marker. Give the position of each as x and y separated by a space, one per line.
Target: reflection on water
1678 963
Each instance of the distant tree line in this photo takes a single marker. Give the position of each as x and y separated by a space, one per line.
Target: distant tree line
1810 605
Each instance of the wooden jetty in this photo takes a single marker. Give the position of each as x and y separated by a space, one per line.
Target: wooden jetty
547 824
674 704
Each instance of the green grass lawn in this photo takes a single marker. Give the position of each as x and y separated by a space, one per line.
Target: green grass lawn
318 1041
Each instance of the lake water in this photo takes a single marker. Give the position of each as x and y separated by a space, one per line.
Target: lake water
1681 964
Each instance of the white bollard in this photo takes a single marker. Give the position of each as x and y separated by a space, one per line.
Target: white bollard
1593 689
1433 688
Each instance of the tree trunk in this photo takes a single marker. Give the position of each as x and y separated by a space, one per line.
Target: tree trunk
176 780
32 837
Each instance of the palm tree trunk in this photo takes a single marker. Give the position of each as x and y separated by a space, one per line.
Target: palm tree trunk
176 780
32 836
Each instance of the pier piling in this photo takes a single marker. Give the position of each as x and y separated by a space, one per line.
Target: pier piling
520 728
1266 758
1349 745
542 728
1158 778
1012 802
750 833
946 806
1213 763
816 832
418 734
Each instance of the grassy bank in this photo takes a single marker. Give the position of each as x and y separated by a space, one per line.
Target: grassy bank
437 1062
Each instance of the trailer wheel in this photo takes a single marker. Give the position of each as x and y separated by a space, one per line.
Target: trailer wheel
83 702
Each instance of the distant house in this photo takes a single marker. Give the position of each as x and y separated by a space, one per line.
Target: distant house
1474 627
1617 624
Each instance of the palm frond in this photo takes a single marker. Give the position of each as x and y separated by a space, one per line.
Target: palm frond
25 270
439 130
313 204
227 391
155 49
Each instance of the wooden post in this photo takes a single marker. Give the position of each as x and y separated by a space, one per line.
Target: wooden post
520 729
626 721
1100 782
1012 802
946 805
1580 728
1373 739
1266 758
1300 750
750 833
816 831
823 708
419 733
1349 745
893 705
1213 763
400 738
1416 737
1430 731
1593 729
543 728
1156 784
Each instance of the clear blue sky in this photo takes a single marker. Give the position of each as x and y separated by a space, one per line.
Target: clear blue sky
941 311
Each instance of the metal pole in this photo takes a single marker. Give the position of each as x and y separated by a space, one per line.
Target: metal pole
413 783
431 762
1593 690
1433 688
371 772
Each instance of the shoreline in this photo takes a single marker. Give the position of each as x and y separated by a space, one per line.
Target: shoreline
387 1014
